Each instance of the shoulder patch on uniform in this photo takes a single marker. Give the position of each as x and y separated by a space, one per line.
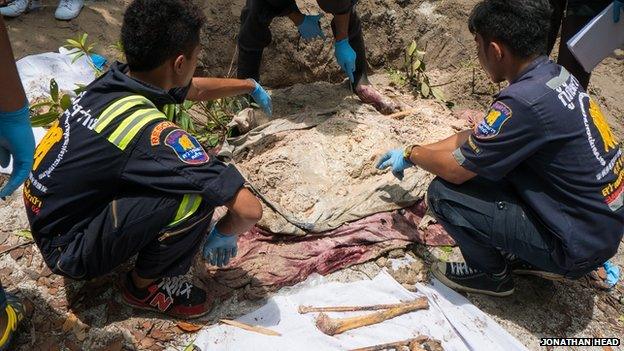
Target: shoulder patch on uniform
492 124
188 149
158 129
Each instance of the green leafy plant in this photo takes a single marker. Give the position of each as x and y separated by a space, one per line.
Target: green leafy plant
119 51
207 120
49 109
414 74
80 47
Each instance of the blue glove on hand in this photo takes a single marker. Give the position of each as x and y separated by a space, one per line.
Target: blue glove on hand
310 28
396 160
17 139
219 248
262 98
618 6
345 55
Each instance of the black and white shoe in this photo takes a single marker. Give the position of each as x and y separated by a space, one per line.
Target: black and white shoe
521 267
461 277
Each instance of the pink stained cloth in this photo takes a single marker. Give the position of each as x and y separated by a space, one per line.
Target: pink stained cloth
266 262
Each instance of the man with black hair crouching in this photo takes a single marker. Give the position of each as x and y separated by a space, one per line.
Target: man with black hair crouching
536 188
114 178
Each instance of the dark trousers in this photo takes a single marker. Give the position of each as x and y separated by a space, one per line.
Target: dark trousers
128 226
571 16
3 300
486 217
255 35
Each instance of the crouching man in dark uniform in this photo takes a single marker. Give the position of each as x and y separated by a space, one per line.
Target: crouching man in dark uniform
536 187
113 178
350 51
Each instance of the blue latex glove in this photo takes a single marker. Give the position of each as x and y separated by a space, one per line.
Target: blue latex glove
219 248
345 55
310 28
613 273
262 98
394 158
618 6
98 61
17 139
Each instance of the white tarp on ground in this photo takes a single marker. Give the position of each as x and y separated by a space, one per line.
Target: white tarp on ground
451 319
36 71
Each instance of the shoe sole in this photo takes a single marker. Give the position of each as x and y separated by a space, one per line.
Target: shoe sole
451 284
143 308
546 275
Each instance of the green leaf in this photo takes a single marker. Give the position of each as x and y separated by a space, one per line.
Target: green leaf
40 105
411 48
83 40
420 54
77 56
437 94
42 120
54 90
213 140
425 90
187 105
24 233
416 65
66 102
80 88
73 43
447 249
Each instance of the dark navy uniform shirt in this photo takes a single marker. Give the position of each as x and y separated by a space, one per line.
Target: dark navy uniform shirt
548 138
77 171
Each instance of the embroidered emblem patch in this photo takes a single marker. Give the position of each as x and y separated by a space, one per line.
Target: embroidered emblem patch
188 149
157 131
491 125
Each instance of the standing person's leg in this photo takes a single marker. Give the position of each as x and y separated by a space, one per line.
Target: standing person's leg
558 7
68 9
254 34
484 218
140 224
11 314
578 14
361 85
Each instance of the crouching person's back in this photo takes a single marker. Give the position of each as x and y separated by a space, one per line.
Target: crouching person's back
113 178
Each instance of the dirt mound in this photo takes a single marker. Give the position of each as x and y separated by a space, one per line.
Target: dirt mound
317 165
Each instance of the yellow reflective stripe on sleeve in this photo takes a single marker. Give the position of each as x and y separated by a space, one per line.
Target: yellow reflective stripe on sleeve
119 107
190 203
131 125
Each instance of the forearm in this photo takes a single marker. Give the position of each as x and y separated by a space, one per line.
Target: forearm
234 224
203 89
341 23
438 159
451 143
13 96
244 211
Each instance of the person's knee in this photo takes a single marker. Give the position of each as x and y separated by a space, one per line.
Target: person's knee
435 196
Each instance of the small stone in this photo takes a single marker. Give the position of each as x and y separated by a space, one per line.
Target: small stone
381 261
398 253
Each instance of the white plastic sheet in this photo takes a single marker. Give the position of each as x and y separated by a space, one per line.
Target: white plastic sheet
451 319
36 71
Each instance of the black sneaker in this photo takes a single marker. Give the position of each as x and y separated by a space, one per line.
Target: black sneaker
175 296
521 267
461 277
